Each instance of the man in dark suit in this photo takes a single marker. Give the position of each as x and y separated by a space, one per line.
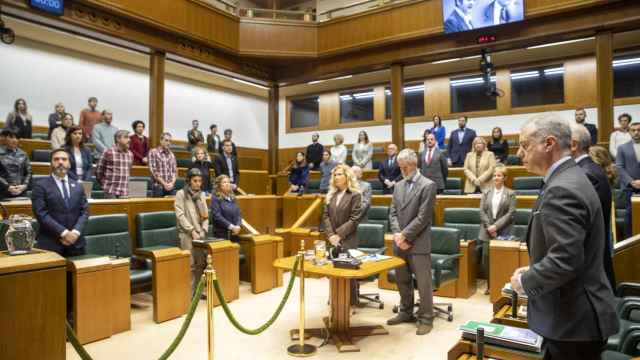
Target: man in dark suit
460 143
628 164
410 219
570 300
581 117
433 164
389 172
460 17
227 136
227 163
213 140
500 12
580 143
314 152
61 208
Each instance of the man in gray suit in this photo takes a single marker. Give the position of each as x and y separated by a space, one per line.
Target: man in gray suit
365 190
433 164
628 164
410 219
570 299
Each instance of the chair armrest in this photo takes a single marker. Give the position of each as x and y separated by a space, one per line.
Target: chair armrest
625 289
439 265
627 305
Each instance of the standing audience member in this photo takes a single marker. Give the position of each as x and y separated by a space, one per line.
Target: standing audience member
104 133
55 118
202 162
227 136
433 164
298 174
194 136
410 218
114 167
192 217
620 135
580 144
365 190
362 153
139 144
213 140
338 150
478 167
439 131
342 214
225 212
59 134
389 172
227 164
19 120
581 118
15 168
497 209
566 278
423 143
326 167
628 164
89 117
499 146
314 152
460 143
80 158
163 168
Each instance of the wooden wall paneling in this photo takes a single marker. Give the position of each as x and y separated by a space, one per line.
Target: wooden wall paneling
329 111
273 126
604 84
267 37
397 105
580 82
379 104
503 84
437 96
264 214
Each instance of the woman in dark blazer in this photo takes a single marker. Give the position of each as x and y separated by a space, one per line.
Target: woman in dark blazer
225 212
497 208
498 146
79 155
202 162
342 213
298 174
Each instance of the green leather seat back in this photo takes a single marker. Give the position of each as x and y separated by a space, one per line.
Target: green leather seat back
467 220
513 160
108 235
621 211
185 163
179 184
378 215
156 229
41 155
445 241
453 186
376 187
370 237
521 223
527 185
39 136
313 187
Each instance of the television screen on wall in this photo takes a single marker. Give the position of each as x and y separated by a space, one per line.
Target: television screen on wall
464 15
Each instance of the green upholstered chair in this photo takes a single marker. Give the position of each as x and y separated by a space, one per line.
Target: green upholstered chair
467 220
621 211
39 136
376 187
185 163
453 186
97 194
155 230
179 184
371 241
527 185
445 251
313 187
108 235
41 155
521 223
378 215
513 160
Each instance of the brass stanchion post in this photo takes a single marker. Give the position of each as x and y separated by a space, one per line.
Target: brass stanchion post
301 349
210 276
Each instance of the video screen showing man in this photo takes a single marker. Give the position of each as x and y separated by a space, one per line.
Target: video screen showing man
464 15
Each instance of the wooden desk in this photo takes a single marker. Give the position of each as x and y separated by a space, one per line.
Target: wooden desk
101 297
625 260
504 258
226 263
260 252
338 323
171 281
635 219
466 350
33 306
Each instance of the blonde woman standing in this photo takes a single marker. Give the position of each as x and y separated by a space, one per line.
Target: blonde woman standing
478 167
338 150
193 221
362 152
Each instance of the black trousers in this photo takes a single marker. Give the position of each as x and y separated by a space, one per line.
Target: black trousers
567 350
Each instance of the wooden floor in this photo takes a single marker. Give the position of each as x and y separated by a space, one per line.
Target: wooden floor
148 340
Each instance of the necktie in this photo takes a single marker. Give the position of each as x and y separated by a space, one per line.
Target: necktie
390 162
429 156
504 16
65 193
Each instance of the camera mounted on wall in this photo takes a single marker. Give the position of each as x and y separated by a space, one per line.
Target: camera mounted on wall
486 67
6 35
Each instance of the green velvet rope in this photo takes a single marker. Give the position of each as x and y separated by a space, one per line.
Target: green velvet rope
273 318
174 344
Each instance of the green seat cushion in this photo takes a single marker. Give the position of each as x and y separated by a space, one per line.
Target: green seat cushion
452 192
614 355
139 277
370 236
527 183
185 163
453 183
41 155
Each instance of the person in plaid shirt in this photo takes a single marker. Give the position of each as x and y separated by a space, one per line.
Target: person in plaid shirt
163 168
114 167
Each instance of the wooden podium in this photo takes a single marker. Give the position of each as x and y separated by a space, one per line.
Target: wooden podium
32 306
225 257
504 258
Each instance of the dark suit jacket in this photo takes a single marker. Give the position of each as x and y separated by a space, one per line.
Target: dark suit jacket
234 150
314 154
223 214
87 164
436 171
456 150
54 216
600 182
455 23
221 168
569 296
343 219
593 131
389 173
504 218
213 144
54 121
628 165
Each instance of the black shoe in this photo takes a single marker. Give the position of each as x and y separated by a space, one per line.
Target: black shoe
401 318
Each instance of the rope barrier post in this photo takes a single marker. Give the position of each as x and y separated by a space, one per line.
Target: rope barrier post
301 349
210 276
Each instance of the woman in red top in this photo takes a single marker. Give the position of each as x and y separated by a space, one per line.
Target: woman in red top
139 144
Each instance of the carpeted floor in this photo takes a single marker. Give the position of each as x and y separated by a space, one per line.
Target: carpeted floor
147 340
